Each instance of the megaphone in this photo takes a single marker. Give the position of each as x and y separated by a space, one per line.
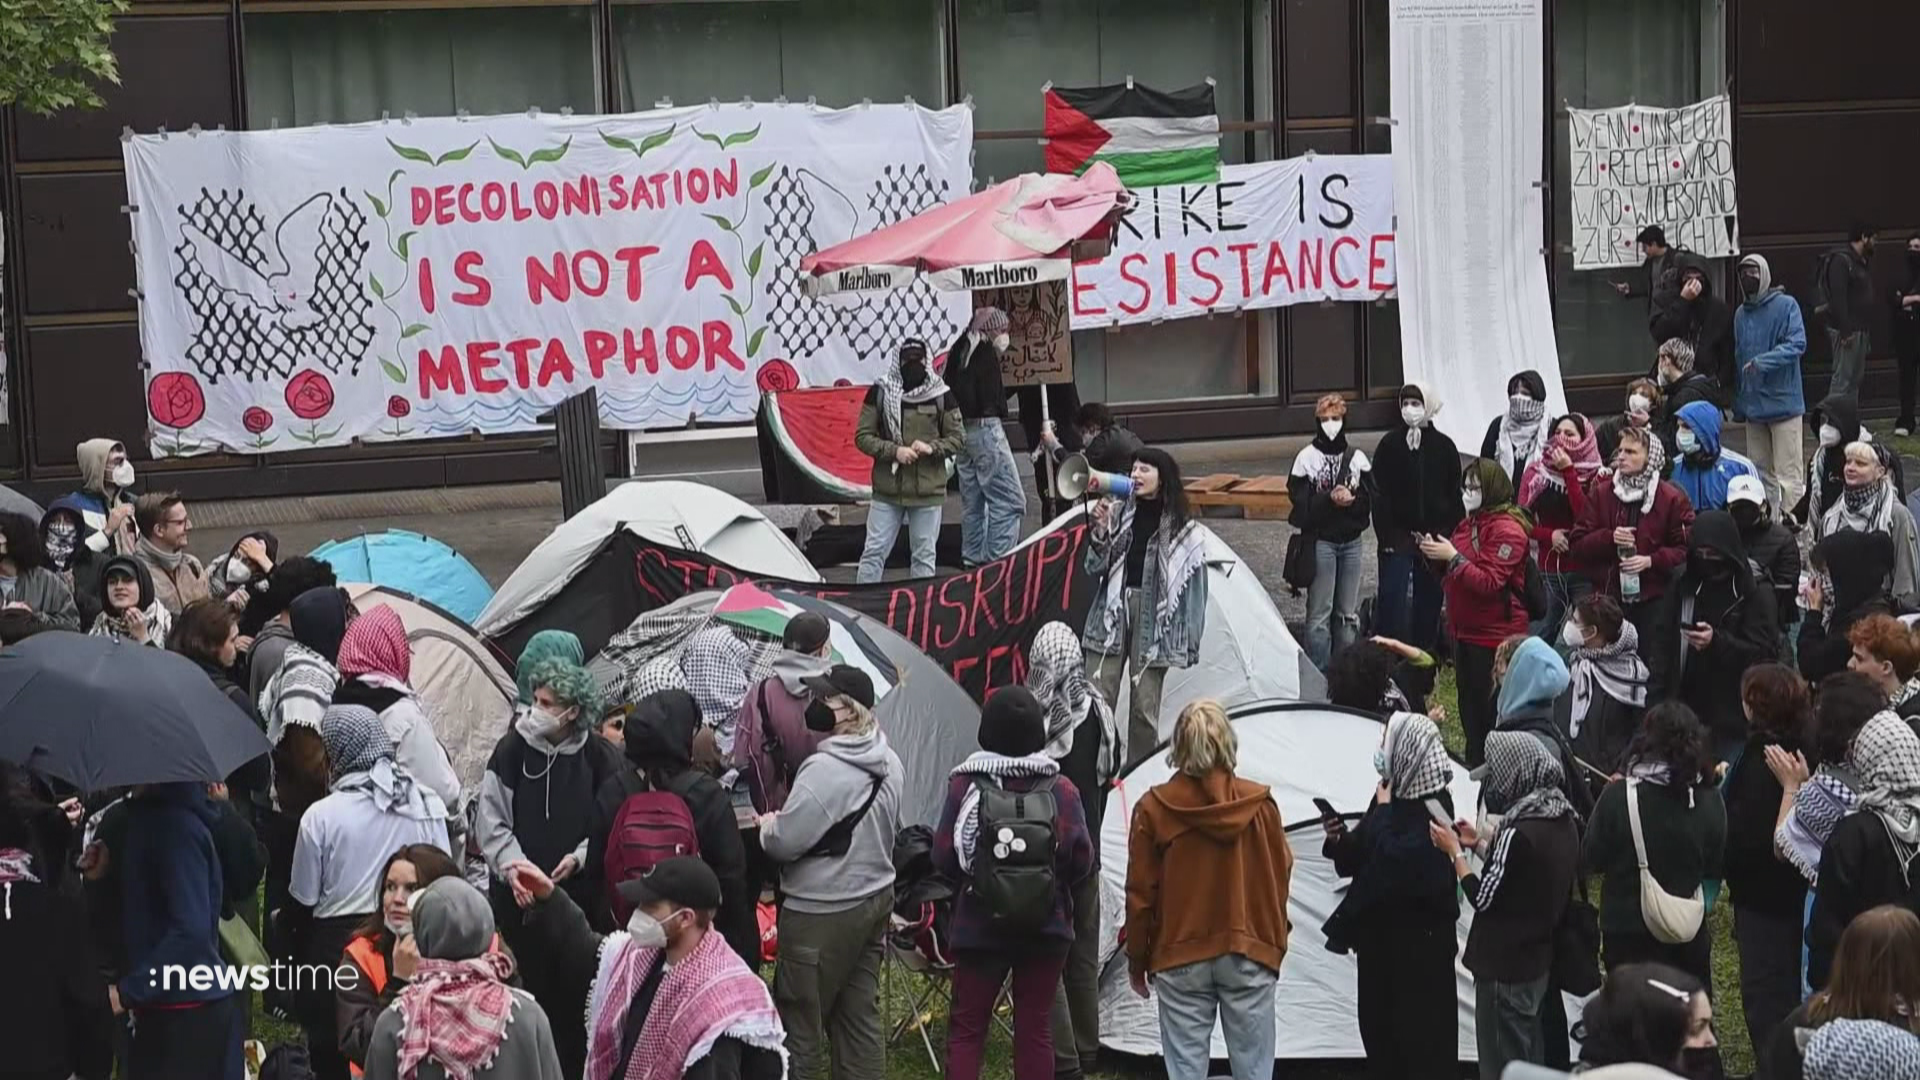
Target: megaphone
1077 477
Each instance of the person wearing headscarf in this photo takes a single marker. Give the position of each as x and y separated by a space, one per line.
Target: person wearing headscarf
63 533
128 609
1870 503
1854 572
374 808
716 664
910 426
545 645
1534 682
1332 491
105 497
1482 570
1523 887
1717 623
1400 907
1683 383
1644 404
1518 436
1862 1050
1553 491
1083 736
1609 684
1869 859
1633 535
992 500
375 664
537 805
296 698
1416 490
458 1019
1684 822
383 952
659 757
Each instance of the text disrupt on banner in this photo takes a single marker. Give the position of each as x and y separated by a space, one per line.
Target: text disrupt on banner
385 281
1637 165
1265 235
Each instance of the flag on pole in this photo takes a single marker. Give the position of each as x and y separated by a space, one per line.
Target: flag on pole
1151 137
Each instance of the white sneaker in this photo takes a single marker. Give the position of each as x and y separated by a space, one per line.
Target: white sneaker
1902 431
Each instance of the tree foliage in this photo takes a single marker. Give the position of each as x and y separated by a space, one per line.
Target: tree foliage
53 53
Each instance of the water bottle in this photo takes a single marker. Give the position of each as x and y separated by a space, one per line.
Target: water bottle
1629 582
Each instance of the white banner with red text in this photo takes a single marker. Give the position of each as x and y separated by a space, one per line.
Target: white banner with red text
438 277
1266 235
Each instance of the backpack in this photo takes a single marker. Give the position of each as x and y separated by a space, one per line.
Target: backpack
1013 872
1531 589
1823 298
651 826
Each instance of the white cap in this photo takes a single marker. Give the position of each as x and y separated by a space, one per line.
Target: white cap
1746 489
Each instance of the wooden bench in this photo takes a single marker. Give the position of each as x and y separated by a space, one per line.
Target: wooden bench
1258 498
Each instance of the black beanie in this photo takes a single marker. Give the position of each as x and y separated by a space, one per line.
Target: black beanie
1013 724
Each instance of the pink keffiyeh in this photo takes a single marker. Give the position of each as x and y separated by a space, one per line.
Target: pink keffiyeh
456 1013
707 995
1539 475
376 644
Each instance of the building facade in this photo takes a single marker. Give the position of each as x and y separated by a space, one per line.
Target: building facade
1827 130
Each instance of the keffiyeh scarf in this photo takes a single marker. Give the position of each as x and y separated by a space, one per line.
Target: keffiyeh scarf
1523 431
1862 1050
1057 675
360 758
1643 485
1539 475
1520 770
715 664
456 1013
983 763
376 644
894 395
1417 761
710 993
15 866
1817 808
1862 509
1886 758
1615 670
158 619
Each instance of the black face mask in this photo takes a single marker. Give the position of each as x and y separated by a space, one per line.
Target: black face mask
912 374
1701 1063
1745 515
1750 286
1711 567
1495 803
820 717
1913 261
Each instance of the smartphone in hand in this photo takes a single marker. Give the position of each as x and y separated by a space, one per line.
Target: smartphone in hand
1328 815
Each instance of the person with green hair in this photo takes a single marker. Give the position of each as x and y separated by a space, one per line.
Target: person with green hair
1482 570
537 806
545 645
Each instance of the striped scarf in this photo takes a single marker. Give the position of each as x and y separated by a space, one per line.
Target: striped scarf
455 1012
708 995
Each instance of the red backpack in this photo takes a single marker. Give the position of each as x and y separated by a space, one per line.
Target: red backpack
651 826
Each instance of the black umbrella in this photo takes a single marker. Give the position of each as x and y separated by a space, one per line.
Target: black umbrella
98 712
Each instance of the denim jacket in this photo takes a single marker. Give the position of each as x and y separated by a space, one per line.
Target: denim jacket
1173 641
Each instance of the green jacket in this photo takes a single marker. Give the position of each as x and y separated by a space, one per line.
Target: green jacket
923 483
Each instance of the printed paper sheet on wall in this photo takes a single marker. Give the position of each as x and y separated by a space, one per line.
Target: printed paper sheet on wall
1638 165
438 277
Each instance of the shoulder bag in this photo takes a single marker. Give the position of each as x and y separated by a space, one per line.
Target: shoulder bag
1672 920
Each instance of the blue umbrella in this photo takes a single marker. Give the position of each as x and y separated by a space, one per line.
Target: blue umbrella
98 712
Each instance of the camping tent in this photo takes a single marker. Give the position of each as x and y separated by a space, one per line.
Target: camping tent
1300 751
410 563
575 569
466 692
929 721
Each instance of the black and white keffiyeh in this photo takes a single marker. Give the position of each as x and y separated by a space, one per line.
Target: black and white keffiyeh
1057 675
1862 1050
1528 779
894 394
1817 808
1417 761
716 665
1523 431
1863 509
1886 758
1615 670
1641 486
999 766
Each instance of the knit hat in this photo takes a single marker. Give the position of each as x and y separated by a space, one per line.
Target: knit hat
1013 724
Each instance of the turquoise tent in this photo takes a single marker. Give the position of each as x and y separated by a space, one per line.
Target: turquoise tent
413 564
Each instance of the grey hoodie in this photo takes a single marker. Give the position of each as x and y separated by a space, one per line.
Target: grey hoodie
832 784
452 921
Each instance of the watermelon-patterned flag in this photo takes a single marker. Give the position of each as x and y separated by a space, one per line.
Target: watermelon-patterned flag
1149 136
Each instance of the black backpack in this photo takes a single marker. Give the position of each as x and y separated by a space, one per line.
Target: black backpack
1823 298
1532 589
1013 875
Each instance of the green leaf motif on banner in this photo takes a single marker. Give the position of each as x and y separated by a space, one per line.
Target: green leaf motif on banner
741 137
759 178
394 372
379 290
456 155
507 152
410 153
657 139
720 221
413 330
379 207
753 343
753 260
714 139
551 153
405 239
735 305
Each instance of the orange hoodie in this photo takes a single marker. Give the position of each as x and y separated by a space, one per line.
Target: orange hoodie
1207 873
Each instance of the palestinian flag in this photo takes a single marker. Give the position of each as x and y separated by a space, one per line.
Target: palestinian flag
1148 136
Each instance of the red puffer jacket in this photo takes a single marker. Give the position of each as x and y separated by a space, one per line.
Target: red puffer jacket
1483 591
1659 533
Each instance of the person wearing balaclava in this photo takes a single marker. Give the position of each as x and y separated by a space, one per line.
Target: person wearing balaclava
910 426
1771 547
1906 335
63 534
1332 493
1717 623
992 500
458 1019
1520 434
1839 428
1852 582
27 582
1769 342
1416 489
105 497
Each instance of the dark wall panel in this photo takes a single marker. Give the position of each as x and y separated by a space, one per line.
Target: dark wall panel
1327 141
1792 50
1816 172
173 71
1318 38
1323 348
86 384
74 238
1793 269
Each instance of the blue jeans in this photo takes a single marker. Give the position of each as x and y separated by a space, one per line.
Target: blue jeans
1408 607
1242 993
992 502
883 527
1333 600
1563 591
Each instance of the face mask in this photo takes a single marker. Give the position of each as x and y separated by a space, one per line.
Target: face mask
1331 428
1913 261
1701 1063
1687 440
1710 567
1666 376
1639 403
1470 498
1001 341
1750 285
122 475
1411 415
1829 435
62 538
399 927
820 717
239 572
1519 401
549 722
1380 761
1745 514
648 932
1572 636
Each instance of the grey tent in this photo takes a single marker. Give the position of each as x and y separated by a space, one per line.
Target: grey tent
12 502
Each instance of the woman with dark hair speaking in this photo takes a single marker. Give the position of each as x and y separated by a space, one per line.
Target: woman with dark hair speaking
1152 558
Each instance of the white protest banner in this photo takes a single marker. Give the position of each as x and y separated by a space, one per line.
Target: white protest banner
1265 235
429 278
1638 165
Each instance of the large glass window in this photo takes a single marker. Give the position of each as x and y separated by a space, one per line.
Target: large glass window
837 51
1188 358
342 66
